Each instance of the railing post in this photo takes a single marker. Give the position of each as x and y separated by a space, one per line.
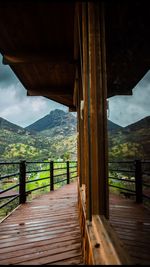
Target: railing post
68 174
22 181
51 175
138 181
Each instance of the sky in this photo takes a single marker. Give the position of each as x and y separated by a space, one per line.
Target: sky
23 110
16 106
125 110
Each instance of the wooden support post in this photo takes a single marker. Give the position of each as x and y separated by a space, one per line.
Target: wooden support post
51 175
86 121
98 108
68 173
22 181
138 181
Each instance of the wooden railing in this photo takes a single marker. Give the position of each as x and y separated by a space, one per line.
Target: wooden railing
25 177
134 178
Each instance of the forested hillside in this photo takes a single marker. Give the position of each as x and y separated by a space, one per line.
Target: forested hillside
54 142
131 142
55 136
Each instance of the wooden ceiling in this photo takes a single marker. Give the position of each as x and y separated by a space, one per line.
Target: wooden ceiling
38 39
127 44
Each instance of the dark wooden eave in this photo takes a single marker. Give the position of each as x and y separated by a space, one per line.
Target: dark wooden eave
127 44
39 41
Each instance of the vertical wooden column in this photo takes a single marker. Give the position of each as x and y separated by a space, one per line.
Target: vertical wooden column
98 108
86 133
80 130
80 95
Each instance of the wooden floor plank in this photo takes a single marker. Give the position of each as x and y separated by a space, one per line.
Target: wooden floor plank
46 230
43 231
131 222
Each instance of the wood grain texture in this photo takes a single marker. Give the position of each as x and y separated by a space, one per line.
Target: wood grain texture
43 231
131 221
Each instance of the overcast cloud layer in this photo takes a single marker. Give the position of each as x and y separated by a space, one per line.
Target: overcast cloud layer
23 110
16 106
125 110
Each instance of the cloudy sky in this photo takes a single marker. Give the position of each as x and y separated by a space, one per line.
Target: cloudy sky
16 106
23 110
125 110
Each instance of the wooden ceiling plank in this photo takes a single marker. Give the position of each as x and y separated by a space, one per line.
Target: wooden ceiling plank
51 90
53 57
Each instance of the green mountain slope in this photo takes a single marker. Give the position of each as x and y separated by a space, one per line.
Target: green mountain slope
56 119
131 142
18 143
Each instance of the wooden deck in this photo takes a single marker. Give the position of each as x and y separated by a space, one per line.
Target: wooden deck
46 230
132 224
43 231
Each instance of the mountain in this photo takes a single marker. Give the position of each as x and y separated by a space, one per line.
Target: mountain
131 141
55 138
7 125
56 118
113 127
141 124
57 121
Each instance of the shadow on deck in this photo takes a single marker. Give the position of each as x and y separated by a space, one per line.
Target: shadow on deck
43 231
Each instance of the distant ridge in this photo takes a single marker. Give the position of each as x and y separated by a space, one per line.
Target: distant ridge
113 127
59 118
5 124
143 123
55 118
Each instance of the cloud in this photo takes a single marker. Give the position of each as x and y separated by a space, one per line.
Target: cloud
23 110
16 106
125 110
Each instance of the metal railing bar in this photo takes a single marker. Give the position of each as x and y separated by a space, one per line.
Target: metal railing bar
122 188
72 172
34 162
63 168
112 170
37 171
10 163
28 191
73 177
122 180
3 197
9 175
60 174
16 185
129 161
35 180
3 205
60 181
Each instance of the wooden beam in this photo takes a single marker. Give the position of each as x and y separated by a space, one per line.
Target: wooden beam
51 91
26 58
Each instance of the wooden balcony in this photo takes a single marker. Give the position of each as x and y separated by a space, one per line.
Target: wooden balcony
52 228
